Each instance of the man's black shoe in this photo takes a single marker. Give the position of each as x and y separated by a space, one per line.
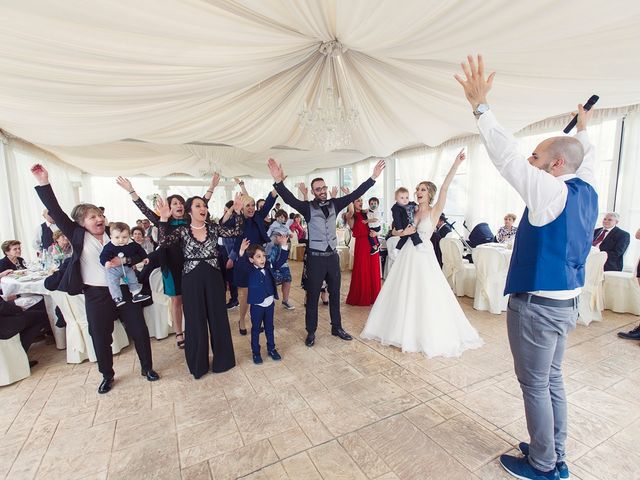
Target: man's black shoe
311 339
151 375
338 332
631 335
106 385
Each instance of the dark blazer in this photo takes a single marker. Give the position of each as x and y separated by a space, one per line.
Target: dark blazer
6 264
615 244
258 287
258 221
444 230
46 235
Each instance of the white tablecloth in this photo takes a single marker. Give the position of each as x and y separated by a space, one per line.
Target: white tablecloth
492 264
13 286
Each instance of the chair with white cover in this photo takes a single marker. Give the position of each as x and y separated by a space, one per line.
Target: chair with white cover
14 364
158 315
621 292
79 343
460 274
591 300
491 277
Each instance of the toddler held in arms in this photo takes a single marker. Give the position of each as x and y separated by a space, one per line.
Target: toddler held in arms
404 212
118 257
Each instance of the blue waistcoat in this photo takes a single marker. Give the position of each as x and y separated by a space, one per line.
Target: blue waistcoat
552 257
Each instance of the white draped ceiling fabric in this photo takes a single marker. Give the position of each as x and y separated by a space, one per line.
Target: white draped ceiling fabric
123 86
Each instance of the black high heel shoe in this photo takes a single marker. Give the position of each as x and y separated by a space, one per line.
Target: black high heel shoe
243 331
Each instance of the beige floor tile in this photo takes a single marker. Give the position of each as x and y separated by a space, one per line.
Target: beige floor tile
312 426
424 417
27 463
589 428
272 472
261 416
221 425
199 471
468 441
301 466
146 460
243 461
608 406
494 405
290 442
212 448
364 456
410 453
462 375
332 461
609 461
84 452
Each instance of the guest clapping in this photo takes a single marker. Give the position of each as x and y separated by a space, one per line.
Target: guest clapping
507 233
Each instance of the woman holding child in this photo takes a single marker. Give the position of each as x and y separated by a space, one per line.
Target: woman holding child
416 309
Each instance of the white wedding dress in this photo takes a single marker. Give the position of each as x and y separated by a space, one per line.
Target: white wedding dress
416 309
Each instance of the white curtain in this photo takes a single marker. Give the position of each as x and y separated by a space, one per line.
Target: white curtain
26 209
79 76
628 201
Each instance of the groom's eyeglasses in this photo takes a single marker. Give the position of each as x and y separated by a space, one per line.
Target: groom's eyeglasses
321 189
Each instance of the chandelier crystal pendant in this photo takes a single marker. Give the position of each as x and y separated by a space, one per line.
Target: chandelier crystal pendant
330 125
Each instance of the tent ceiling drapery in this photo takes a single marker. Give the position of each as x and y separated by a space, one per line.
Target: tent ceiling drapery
78 77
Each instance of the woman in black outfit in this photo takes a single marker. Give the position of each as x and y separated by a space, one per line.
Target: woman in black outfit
12 260
203 287
170 259
85 274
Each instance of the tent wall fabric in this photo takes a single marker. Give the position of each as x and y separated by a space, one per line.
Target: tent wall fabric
80 77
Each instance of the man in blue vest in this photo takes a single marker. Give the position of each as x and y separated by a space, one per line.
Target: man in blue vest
547 269
323 261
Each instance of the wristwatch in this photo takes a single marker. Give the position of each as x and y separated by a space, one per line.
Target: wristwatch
480 109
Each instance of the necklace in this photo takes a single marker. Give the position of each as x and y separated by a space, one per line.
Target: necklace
198 228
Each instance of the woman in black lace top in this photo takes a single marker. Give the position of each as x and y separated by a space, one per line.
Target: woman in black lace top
170 259
203 291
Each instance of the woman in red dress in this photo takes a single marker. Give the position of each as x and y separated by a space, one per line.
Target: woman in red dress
365 277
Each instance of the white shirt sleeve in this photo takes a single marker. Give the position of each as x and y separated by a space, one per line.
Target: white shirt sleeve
544 194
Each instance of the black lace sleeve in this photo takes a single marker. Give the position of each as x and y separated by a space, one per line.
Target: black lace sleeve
147 212
168 238
224 230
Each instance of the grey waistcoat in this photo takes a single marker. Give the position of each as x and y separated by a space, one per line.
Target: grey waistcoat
322 231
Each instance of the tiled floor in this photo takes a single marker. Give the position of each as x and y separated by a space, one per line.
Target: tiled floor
340 410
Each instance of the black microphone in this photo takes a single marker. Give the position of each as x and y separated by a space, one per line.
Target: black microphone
587 106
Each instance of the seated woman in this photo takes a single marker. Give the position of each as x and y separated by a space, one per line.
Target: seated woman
507 234
137 234
12 260
61 248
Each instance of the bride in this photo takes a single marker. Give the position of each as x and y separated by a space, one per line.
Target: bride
416 309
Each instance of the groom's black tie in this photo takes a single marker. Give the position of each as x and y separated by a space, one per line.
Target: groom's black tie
325 208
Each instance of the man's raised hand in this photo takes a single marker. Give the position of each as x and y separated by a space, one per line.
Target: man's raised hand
377 170
475 86
275 169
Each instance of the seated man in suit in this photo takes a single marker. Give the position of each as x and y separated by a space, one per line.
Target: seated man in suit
30 323
612 240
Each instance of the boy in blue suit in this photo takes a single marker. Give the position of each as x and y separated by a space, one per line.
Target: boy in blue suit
262 292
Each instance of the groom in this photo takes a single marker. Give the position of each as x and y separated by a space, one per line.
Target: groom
323 262
544 281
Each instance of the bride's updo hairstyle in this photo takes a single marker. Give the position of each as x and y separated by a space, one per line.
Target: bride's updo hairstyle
431 189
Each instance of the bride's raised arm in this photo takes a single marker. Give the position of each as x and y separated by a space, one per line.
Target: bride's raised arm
438 208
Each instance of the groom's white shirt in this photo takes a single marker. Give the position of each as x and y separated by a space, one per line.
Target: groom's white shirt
544 194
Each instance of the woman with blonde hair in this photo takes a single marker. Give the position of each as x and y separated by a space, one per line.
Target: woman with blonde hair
416 309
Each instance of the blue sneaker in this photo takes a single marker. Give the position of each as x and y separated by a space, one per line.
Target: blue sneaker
563 468
521 468
274 355
257 358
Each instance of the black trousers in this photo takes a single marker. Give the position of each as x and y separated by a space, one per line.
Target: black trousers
101 313
206 320
29 324
415 238
318 270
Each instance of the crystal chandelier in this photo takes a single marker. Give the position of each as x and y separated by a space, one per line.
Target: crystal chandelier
208 172
330 124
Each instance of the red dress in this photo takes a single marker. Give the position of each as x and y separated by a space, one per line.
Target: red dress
365 277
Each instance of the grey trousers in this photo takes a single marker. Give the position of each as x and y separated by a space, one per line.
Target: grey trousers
114 274
537 336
